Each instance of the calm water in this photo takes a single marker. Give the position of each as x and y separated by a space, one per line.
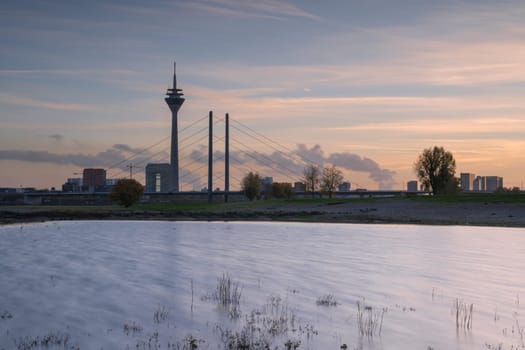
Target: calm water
88 280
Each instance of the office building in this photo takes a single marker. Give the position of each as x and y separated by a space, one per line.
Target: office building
479 184
158 178
493 183
467 182
93 177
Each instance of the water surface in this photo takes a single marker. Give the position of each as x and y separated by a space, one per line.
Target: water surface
88 280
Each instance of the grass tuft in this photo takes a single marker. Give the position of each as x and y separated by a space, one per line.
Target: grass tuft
327 300
369 320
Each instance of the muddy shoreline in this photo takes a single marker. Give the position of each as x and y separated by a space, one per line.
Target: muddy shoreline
399 211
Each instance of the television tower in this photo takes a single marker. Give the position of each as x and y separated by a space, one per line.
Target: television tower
174 100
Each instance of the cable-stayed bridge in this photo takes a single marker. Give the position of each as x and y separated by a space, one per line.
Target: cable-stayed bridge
216 152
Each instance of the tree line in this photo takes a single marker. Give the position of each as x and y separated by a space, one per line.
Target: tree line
326 180
435 169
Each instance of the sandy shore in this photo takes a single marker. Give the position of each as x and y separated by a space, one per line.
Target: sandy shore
395 211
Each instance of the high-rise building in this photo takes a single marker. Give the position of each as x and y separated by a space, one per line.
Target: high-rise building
494 183
480 184
467 182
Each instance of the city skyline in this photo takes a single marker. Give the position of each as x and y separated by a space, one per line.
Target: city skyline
370 85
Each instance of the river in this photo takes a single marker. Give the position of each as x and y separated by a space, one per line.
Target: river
151 285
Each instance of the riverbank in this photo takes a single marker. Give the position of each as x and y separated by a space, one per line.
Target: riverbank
424 211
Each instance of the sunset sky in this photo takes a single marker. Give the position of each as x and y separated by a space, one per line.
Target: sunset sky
363 85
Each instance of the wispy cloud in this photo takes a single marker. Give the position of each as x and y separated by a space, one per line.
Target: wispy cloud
441 127
249 106
139 125
269 9
29 102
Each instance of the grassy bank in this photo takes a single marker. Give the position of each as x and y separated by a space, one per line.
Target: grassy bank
471 209
473 198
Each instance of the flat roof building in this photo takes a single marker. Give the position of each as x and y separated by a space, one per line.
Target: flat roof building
158 178
93 177
494 183
467 182
412 186
345 187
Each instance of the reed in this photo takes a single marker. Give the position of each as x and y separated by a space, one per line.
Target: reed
161 314
369 320
463 313
227 291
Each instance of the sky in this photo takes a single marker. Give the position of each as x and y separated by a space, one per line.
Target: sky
362 85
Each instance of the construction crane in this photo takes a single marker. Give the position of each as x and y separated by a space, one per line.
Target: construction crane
131 167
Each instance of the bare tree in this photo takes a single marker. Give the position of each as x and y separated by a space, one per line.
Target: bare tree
331 179
311 175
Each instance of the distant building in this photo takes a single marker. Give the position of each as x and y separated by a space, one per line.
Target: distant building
344 187
479 184
265 181
266 186
493 183
72 185
8 190
112 182
158 178
92 177
467 182
299 187
412 186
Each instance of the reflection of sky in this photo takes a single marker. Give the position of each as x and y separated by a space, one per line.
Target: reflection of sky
302 65
89 279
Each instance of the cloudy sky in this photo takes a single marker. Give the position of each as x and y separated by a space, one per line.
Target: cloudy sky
364 85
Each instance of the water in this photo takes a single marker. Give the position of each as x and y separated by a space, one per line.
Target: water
90 280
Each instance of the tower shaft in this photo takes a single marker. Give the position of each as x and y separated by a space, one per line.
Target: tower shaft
174 152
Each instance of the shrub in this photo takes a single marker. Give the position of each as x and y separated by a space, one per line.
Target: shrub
126 192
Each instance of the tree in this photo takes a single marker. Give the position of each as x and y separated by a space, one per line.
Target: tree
435 169
251 185
282 190
331 179
311 174
126 192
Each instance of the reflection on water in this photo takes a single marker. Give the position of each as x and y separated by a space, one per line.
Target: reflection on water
94 281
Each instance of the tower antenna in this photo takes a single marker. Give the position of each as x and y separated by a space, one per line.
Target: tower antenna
174 75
